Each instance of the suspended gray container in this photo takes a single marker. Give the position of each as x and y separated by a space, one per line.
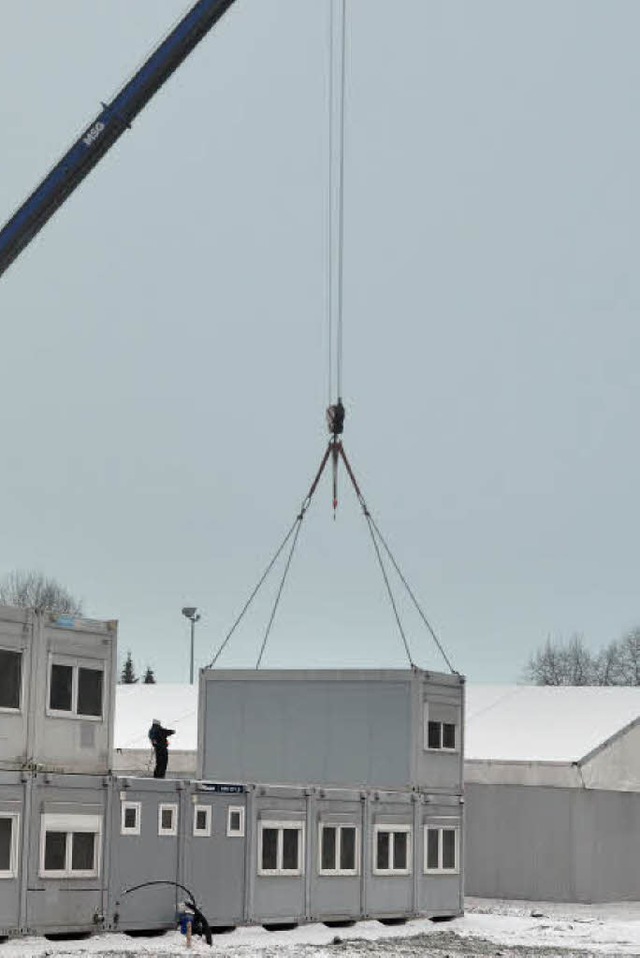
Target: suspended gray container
388 728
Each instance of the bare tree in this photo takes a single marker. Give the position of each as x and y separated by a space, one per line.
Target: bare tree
579 665
607 665
563 663
630 658
571 663
547 666
33 590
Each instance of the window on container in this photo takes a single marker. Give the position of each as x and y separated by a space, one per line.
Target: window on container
61 688
235 822
70 846
392 850
130 813
167 820
202 820
441 735
8 844
10 679
281 848
338 850
89 691
290 849
83 851
441 849
55 851
76 689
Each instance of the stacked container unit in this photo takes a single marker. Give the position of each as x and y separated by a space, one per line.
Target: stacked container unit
366 817
148 833
57 683
216 851
14 805
57 688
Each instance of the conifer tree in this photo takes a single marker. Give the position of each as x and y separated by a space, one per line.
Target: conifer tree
128 675
149 677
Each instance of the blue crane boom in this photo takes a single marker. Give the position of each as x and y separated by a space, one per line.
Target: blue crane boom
98 138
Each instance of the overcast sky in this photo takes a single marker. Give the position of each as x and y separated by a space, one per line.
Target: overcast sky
164 371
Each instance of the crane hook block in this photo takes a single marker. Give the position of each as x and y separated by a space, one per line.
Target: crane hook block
335 418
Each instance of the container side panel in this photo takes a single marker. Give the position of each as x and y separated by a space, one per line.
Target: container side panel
142 855
215 860
324 732
65 903
11 838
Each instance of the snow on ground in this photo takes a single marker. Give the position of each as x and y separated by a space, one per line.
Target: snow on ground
489 928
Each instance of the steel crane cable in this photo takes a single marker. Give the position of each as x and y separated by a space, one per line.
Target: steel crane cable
295 529
373 528
387 584
335 228
417 605
281 587
254 593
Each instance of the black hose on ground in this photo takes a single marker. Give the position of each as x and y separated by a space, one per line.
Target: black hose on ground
201 926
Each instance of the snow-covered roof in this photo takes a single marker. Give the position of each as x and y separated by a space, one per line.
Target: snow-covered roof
504 723
176 706
525 723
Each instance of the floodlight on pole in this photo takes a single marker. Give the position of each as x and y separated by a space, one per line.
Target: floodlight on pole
191 613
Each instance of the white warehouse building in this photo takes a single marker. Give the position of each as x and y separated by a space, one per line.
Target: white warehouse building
552 789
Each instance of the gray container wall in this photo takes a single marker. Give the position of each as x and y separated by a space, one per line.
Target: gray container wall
33 736
342 896
442 701
275 899
441 894
17 635
221 869
145 856
345 727
391 896
14 806
65 904
215 861
316 897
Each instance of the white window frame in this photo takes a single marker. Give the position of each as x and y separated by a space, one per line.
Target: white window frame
127 806
441 723
235 832
5 708
440 827
281 826
206 831
392 827
168 806
14 818
339 826
97 665
69 824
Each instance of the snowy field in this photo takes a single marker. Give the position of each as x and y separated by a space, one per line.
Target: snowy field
490 928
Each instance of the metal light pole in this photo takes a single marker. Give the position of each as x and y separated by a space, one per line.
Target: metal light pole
193 615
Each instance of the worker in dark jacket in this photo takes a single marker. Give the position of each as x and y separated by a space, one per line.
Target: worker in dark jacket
159 738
